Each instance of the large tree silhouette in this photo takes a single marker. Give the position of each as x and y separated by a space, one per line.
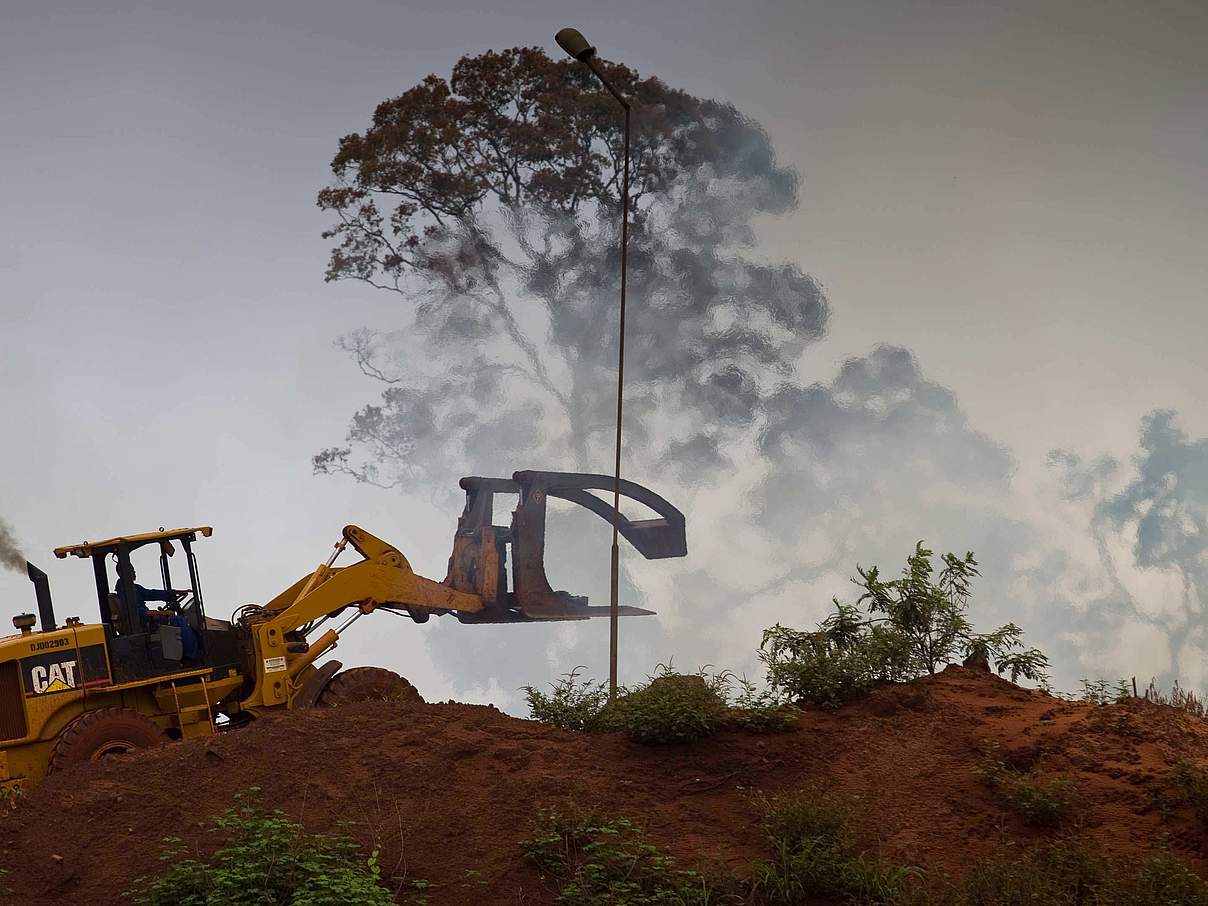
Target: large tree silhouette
489 204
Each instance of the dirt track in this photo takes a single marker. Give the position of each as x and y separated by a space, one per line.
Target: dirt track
446 789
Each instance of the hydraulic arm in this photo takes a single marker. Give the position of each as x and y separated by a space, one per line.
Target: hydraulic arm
476 587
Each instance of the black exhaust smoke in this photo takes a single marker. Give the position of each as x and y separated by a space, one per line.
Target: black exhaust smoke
46 611
10 552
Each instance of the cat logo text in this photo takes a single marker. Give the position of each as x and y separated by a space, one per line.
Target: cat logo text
59 676
65 671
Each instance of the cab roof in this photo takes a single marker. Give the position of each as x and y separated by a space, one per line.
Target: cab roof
88 548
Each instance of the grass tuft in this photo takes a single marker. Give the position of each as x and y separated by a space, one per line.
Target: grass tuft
1178 697
1074 873
596 861
810 838
1041 801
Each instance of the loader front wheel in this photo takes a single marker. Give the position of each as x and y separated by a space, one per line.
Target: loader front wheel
107 731
368 684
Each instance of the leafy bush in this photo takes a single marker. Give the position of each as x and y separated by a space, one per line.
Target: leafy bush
572 705
1040 801
844 660
266 860
910 626
811 844
673 707
1098 692
597 861
759 710
670 708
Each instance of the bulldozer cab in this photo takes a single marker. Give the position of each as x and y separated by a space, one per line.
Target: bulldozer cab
143 645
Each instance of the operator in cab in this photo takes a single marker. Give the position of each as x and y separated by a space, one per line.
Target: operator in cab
189 643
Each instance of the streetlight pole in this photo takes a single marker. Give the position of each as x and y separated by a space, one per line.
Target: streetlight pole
576 45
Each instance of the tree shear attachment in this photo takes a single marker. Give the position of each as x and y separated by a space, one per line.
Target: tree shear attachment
479 561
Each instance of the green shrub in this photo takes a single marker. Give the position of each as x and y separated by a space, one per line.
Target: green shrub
673 708
669 708
910 626
759 710
1098 692
597 861
831 666
1040 801
572 705
265 860
811 843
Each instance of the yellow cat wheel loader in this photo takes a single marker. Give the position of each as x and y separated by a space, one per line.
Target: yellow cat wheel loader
81 691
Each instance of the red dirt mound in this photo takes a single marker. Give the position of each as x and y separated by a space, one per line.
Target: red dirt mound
450 789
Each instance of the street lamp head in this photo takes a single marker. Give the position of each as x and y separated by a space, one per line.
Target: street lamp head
570 40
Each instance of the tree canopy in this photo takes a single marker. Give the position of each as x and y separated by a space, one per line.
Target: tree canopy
518 128
489 203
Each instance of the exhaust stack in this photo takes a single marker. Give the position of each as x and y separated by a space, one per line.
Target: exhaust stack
46 610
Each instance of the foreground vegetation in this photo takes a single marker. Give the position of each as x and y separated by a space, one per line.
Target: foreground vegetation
588 859
607 861
599 861
265 859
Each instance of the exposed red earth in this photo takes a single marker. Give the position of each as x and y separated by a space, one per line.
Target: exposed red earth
446 789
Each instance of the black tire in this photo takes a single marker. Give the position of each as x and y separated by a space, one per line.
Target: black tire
107 731
368 684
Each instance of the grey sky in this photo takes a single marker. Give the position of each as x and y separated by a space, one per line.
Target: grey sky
1017 193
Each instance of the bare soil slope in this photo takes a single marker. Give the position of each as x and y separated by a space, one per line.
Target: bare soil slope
450 789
